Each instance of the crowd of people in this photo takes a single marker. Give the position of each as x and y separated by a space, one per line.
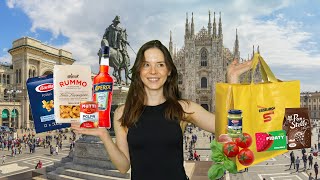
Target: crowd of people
190 142
26 141
307 161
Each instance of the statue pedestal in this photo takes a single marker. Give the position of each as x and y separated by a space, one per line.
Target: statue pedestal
89 160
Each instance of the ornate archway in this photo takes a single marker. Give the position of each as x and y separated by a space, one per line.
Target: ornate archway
5 114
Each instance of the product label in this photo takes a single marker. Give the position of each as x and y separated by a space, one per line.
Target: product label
102 91
42 104
269 141
72 84
89 115
234 127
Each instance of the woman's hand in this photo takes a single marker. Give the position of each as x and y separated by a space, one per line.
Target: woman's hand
99 132
235 69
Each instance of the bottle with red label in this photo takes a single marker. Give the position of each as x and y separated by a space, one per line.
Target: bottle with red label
102 89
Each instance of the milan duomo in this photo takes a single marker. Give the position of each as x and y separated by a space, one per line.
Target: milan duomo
203 61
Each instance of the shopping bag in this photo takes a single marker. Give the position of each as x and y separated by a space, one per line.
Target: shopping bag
262 107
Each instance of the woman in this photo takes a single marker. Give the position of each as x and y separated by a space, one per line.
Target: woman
149 127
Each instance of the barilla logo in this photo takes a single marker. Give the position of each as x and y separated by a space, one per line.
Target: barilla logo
267 113
44 87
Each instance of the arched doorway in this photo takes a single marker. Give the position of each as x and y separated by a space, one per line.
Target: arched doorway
47 73
14 118
5 117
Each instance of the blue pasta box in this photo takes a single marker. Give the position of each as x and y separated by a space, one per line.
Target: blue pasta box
40 91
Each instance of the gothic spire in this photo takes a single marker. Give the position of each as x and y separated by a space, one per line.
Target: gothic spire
187 27
236 47
209 24
175 50
214 32
252 51
170 44
220 26
192 26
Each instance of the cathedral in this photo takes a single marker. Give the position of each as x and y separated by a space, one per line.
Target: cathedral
202 61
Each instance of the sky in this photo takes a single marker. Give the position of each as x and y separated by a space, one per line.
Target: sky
287 31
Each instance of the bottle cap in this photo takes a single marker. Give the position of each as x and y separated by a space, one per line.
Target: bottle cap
105 51
234 111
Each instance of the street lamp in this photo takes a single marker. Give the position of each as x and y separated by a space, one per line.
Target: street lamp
13 94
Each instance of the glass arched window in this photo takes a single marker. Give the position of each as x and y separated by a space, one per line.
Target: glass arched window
34 73
8 79
205 106
30 73
204 83
20 76
180 79
4 79
17 75
204 57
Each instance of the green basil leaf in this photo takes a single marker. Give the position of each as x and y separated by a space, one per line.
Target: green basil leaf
215 146
217 152
216 171
230 166
217 156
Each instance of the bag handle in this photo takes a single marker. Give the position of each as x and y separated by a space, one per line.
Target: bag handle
229 102
266 73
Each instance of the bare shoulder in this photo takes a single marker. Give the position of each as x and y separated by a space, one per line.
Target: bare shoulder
119 110
117 115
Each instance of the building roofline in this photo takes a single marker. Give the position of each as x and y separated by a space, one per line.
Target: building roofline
42 50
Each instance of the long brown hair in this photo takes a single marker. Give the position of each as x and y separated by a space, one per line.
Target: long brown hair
134 104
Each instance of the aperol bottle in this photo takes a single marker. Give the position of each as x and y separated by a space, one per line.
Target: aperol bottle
102 89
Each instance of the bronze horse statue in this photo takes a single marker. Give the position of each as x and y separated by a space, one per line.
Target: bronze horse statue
118 60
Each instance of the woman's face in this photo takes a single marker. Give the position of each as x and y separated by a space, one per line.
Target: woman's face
154 71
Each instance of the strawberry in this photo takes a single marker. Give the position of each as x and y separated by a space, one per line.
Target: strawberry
263 142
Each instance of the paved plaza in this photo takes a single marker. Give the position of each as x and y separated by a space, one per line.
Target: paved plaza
277 168
21 164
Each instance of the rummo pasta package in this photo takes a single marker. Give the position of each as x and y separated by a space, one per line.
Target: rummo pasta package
72 84
40 91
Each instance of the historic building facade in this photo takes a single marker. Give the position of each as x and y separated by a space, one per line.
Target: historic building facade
311 100
203 61
30 58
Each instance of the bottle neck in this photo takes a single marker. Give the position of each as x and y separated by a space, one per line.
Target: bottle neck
104 64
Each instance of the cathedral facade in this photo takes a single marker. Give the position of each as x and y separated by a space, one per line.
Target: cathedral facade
202 61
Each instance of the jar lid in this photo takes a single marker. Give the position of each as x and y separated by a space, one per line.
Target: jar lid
234 111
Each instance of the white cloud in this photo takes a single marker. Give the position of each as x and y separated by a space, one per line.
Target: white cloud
5 59
84 22
309 14
10 3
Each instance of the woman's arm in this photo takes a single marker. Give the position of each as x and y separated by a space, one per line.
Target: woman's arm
199 116
119 151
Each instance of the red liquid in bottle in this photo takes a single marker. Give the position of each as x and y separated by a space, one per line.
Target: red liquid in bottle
102 90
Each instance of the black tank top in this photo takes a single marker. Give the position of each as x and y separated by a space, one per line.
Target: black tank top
156 147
